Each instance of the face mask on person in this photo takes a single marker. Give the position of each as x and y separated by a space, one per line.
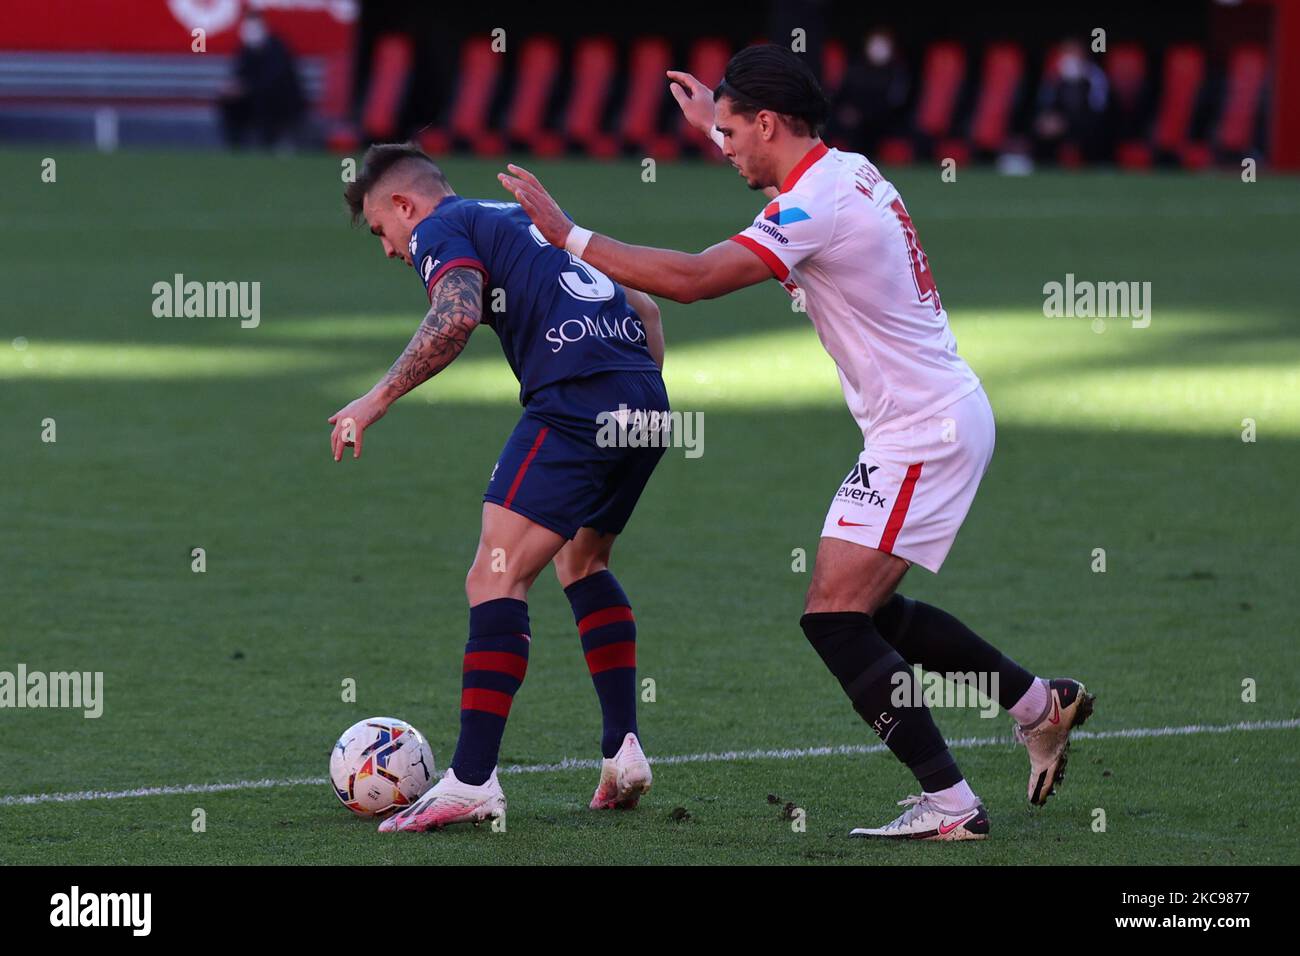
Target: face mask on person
1071 66
879 50
252 33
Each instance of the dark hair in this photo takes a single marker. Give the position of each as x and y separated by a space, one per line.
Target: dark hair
773 77
383 158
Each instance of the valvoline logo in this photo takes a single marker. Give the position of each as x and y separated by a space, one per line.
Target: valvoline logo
783 217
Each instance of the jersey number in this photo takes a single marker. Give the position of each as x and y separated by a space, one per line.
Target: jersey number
583 282
926 290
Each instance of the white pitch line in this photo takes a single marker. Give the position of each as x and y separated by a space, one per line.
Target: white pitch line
964 743
82 795
726 756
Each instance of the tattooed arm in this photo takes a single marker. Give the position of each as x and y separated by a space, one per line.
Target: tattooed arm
455 310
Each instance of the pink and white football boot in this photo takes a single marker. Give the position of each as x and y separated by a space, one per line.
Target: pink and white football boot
449 801
623 778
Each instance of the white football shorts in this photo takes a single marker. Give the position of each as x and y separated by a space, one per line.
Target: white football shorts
913 485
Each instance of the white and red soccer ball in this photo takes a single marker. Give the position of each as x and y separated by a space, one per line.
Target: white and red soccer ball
380 764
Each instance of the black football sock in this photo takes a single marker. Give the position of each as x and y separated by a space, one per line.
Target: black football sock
937 641
883 691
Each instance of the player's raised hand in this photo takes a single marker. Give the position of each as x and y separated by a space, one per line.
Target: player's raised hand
545 213
351 421
695 99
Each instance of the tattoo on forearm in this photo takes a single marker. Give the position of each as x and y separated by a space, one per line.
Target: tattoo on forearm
456 308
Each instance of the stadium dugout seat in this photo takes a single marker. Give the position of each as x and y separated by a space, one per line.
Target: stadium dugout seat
1234 137
943 72
1184 75
480 71
595 69
835 63
707 61
1126 70
1003 69
539 68
388 79
650 59
340 135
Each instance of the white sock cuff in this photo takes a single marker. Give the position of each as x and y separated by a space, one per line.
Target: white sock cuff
1032 706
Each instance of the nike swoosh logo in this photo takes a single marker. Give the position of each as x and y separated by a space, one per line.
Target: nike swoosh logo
851 524
1056 712
952 826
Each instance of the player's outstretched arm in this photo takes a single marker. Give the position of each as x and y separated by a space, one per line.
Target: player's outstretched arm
680 276
647 309
455 309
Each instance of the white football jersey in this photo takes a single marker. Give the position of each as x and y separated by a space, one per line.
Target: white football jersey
839 236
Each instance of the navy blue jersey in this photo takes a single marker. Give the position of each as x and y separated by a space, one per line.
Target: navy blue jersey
559 318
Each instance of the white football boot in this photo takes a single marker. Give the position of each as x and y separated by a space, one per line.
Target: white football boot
922 820
450 801
623 778
1048 741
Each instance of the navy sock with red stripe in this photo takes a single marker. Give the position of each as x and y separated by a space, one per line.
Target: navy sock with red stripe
608 632
496 659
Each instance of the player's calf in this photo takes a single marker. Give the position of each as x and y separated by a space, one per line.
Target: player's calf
607 629
872 673
496 660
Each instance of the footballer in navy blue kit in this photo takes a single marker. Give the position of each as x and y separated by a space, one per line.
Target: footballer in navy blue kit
584 350
577 348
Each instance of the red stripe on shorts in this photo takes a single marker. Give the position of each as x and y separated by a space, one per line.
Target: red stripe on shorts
899 511
528 460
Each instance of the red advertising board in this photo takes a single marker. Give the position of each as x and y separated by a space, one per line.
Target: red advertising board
312 27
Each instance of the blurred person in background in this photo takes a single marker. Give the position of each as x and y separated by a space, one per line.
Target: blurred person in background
872 101
1072 108
263 104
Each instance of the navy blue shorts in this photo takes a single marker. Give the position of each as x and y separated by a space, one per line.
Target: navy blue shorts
555 472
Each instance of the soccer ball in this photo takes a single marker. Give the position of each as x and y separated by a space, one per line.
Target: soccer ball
380 764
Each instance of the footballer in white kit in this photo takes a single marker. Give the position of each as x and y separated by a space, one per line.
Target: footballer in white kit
837 235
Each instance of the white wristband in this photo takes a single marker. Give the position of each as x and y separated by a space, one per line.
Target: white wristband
576 242
716 135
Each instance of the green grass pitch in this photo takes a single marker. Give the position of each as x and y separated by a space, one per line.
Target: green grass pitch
180 433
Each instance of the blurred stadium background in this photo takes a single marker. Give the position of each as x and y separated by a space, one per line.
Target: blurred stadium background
1191 83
